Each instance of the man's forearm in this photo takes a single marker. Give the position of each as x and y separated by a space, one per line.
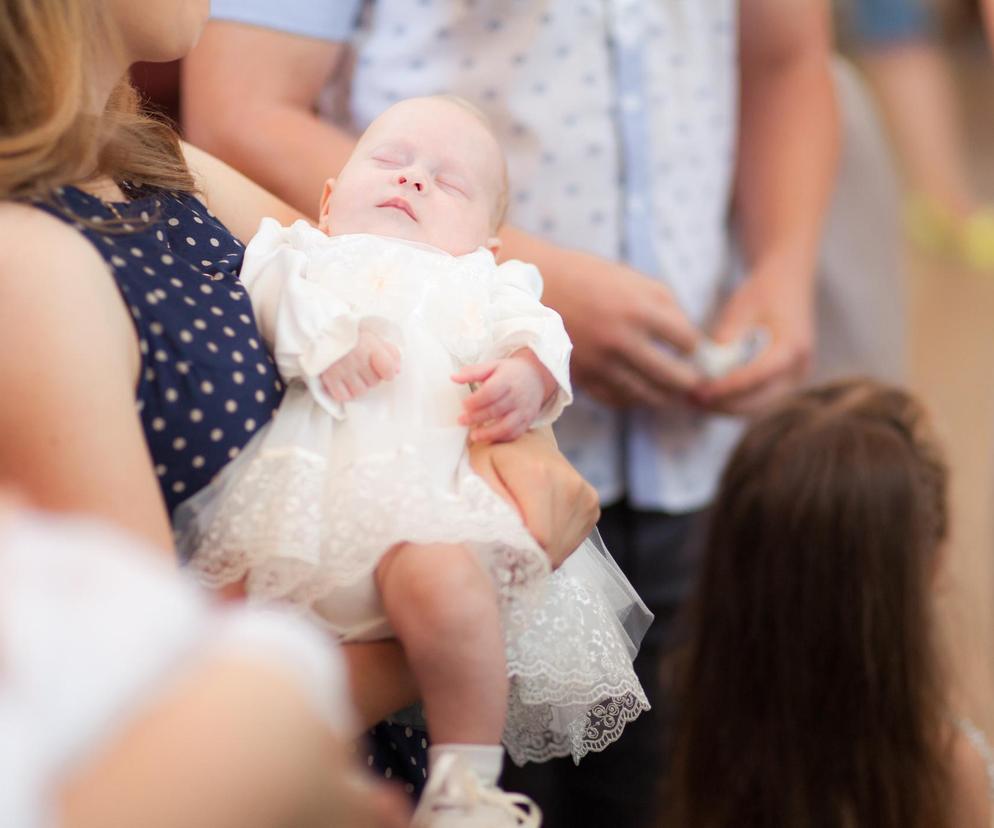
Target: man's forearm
249 98
788 147
289 151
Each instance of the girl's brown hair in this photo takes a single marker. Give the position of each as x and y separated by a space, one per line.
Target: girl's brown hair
809 693
53 128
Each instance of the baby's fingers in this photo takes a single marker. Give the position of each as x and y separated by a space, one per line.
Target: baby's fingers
336 388
477 415
490 392
475 373
385 361
509 427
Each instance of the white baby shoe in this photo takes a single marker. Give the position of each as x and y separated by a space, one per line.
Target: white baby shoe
455 798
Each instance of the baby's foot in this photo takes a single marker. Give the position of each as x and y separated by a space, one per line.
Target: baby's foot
455 798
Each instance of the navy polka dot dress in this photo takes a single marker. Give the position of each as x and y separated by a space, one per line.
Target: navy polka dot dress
207 381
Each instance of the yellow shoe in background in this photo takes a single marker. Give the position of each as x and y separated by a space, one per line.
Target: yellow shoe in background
976 239
930 226
968 242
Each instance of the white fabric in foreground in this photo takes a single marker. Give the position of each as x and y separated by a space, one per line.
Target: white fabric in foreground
94 628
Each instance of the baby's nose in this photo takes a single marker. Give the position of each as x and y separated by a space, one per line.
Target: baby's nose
411 180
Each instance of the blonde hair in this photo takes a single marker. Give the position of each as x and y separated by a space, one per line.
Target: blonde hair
53 128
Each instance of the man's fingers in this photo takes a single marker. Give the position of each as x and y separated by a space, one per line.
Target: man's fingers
665 322
656 367
623 387
772 364
753 401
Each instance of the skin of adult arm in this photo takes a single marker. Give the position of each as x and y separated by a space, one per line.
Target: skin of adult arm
234 743
69 363
788 146
258 113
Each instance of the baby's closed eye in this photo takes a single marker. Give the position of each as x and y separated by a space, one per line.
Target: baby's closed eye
388 162
454 186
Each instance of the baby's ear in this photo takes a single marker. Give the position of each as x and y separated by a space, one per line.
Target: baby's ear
329 185
493 245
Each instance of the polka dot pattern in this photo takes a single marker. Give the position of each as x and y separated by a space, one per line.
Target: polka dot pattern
206 386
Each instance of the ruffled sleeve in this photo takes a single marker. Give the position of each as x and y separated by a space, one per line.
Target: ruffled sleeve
520 320
307 327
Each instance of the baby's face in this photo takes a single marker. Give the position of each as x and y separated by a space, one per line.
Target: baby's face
426 170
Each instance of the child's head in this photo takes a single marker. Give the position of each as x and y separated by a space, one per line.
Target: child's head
809 690
428 170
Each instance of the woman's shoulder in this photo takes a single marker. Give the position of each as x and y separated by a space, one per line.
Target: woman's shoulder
37 247
52 278
26 228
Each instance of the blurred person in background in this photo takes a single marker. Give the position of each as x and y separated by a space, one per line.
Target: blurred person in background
812 687
896 45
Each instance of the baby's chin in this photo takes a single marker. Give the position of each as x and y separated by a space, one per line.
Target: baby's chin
399 226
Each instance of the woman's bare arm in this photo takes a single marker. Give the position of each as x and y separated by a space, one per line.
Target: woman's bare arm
232 744
69 361
236 200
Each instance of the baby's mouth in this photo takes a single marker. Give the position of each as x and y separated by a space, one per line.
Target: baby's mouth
399 204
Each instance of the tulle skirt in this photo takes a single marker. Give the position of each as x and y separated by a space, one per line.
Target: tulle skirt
310 506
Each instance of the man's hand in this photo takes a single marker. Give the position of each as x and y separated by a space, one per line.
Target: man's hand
629 335
509 399
781 305
372 360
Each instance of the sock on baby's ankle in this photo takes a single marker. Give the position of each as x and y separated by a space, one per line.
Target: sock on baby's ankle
485 760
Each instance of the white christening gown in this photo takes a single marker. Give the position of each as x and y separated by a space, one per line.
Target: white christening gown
313 502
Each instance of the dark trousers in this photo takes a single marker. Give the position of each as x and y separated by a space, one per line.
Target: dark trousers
619 787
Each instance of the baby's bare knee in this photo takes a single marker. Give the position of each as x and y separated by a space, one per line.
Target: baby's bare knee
443 590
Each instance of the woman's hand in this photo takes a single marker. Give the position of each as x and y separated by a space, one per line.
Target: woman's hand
557 505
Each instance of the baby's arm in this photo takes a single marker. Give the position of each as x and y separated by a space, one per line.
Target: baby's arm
524 377
315 336
513 391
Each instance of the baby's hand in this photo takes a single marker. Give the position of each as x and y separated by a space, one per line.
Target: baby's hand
371 360
511 394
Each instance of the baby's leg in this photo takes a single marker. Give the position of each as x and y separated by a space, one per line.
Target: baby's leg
442 606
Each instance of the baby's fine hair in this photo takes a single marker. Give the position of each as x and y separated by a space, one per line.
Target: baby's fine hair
810 691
